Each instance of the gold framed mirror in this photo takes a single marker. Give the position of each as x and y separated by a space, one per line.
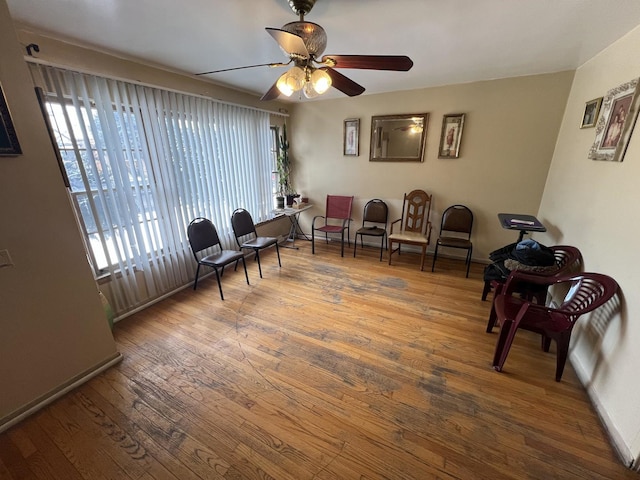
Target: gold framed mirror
398 138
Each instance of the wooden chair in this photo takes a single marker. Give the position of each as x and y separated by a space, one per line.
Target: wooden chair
586 292
374 224
456 220
203 235
246 236
414 227
337 219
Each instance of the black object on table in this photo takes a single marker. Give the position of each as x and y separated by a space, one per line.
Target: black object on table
523 223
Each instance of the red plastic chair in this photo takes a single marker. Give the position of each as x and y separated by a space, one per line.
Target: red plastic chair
587 291
337 219
567 257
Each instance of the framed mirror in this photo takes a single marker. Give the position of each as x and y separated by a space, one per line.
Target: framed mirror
398 138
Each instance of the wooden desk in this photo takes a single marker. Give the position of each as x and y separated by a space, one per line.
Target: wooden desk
523 223
293 214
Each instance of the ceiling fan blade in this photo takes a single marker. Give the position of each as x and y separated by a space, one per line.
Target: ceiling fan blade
400 63
272 93
276 64
342 83
290 43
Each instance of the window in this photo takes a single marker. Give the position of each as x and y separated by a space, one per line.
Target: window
143 162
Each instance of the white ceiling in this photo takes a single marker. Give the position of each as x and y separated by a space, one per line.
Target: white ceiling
449 41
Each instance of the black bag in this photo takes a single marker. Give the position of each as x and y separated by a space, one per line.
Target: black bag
527 252
496 271
503 253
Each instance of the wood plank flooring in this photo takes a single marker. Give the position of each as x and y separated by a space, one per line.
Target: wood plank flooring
328 368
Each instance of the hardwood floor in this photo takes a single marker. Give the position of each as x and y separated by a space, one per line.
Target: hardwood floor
328 368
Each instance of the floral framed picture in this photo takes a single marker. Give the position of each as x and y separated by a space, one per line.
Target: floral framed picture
9 145
351 137
615 125
591 112
451 135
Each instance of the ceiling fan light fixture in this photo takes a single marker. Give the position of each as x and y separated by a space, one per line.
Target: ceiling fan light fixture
309 91
321 81
291 81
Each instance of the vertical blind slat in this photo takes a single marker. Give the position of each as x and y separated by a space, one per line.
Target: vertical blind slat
146 162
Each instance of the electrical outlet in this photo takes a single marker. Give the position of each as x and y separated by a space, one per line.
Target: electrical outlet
5 259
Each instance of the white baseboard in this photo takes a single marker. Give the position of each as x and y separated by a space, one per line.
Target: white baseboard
42 402
618 443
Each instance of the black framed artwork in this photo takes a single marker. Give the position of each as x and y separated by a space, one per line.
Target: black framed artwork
9 145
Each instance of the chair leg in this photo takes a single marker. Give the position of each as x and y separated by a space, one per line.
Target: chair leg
562 344
258 259
313 243
381 246
492 315
424 254
244 264
486 289
435 255
492 319
219 282
278 253
506 339
469 260
342 244
355 244
499 355
390 251
195 283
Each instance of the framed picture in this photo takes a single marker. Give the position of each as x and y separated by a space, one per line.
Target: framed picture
9 145
398 138
351 136
615 125
591 112
451 135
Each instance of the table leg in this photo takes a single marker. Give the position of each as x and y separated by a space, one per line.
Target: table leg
292 232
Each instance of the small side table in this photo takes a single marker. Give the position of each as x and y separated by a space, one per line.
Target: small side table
522 223
293 214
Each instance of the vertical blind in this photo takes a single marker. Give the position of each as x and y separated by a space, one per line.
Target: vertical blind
142 163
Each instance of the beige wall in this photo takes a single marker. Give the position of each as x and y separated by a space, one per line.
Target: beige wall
53 327
508 140
594 206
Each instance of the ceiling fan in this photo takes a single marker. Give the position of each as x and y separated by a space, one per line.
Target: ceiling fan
303 42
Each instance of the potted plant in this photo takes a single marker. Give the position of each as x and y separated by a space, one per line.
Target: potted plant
283 167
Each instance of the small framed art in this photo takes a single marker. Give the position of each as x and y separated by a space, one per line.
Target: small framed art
451 135
351 137
615 125
9 145
591 112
